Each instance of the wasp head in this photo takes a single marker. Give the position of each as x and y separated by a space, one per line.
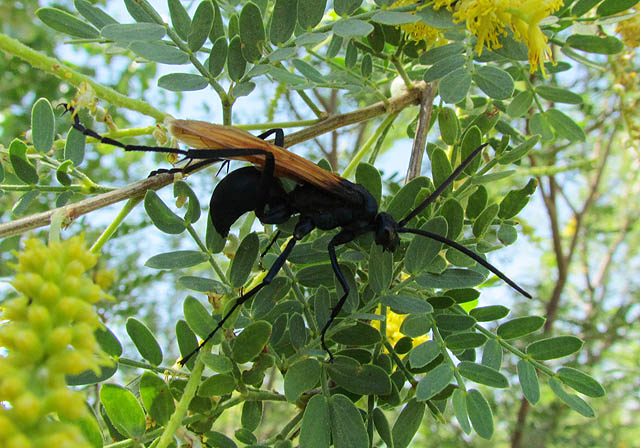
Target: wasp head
386 231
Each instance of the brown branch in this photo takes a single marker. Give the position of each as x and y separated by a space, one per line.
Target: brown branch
420 139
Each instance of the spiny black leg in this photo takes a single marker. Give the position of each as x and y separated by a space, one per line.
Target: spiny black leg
302 229
469 253
279 139
341 238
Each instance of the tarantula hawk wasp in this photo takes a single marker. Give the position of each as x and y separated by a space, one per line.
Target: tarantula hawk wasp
322 199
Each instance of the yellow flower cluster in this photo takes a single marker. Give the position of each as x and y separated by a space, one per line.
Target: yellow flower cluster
394 322
489 19
48 333
630 31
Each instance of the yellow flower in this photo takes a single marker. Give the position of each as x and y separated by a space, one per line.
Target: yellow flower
418 30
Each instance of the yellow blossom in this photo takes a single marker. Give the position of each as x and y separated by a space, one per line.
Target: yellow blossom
418 30
394 321
630 31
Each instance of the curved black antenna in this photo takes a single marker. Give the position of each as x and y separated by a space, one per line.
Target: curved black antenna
467 252
438 191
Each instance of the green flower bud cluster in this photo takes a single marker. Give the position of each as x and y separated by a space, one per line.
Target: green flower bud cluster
48 333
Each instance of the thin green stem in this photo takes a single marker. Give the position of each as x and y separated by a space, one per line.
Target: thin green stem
183 405
53 189
399 363
287 429
147 366
75 78
443 349
110 230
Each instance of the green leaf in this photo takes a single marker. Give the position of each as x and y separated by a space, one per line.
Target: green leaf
368 176
581 382
492 354
423 354
187 341
352 28
439 53
346 7
251 341
308 71
283 20
218 56
245 436
161 216
611 7
558 95
421 250
251 415
219 440
108 342
408 423
471 140
480 414
452 211
455 85
516 200
90 377
520 104
564 126
449 125
200 25
217 385
202 284
123 410
444 66
182 82
507 234
252 31
315 431
380 269
477 202
42 125
218 29
394 18
297 331
217 363
156 397
198 317
359 379
539 124
489 313
347 427
158 52
176 260
441 18
595 44
440 169
520 326
574 402
482 223
128 32
137 12
404 200
415 325
179 19
459 401
301 377
95 16
236 63
406 304
21 165
482 374
64 22
553 348
451 278
496 83
244 259
74 146
434 382
382 426
310 13
366 66
144 341
360 334
454 322
465 341
529 381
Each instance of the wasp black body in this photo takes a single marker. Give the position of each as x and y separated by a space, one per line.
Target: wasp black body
321 199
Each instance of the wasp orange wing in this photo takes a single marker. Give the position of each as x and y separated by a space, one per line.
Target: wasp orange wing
204 135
